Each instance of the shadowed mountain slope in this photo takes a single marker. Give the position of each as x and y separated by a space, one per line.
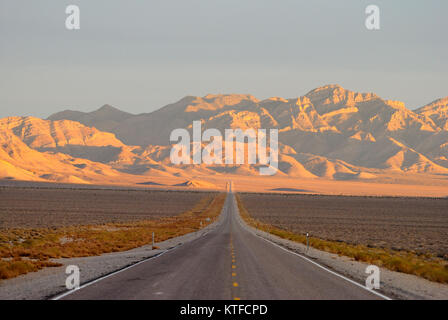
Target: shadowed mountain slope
329 133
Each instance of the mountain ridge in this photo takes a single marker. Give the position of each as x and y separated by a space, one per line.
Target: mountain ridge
328 133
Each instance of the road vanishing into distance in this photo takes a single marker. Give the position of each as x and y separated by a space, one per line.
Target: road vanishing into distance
229 262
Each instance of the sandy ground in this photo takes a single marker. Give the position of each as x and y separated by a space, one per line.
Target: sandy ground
412 186
331 187
50 282
412 224
52 207
395 285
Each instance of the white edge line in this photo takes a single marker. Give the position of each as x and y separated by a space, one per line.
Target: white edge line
328 270
60 296
315 263
178 246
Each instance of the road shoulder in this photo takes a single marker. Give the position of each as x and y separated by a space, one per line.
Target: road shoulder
49 282
395 285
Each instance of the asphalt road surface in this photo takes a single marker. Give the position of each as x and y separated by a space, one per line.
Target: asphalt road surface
229 262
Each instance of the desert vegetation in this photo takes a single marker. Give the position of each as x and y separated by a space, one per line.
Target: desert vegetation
402 234
31 246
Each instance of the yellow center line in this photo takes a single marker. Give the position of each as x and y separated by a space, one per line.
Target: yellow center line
232 253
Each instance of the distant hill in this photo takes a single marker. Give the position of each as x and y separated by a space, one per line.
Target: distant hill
106 118
328 133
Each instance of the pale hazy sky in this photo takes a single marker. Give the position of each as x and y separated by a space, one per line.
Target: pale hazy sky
139 55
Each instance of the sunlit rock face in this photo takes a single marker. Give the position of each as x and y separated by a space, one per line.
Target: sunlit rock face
328 133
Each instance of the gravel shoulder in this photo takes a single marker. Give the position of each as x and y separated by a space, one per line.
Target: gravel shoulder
395 285
50 282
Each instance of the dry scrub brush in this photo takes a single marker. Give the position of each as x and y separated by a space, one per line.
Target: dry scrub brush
27 250
424 265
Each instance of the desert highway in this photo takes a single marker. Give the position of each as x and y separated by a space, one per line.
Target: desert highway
228 262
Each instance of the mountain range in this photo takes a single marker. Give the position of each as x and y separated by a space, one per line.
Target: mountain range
329 133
